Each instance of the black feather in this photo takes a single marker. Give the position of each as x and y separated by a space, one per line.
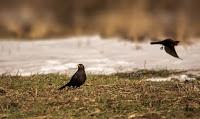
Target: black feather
77 79
156 42
169 45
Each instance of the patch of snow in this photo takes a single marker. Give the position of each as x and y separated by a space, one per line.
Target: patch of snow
99 55
181 78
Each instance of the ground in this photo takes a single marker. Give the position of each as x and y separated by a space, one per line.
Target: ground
122 95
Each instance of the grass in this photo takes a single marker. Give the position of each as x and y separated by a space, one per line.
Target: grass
124 95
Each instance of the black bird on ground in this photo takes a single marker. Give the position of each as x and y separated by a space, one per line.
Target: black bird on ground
77 79
169 45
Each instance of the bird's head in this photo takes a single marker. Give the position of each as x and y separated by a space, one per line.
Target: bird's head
81 66
176 42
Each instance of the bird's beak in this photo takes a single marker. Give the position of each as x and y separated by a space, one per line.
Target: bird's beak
78 65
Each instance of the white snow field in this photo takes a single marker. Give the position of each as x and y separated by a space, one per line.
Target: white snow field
100 56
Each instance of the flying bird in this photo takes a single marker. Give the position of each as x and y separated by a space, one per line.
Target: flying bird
77 79
169 45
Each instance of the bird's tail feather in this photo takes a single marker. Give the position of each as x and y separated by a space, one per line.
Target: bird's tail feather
64 86
156 42
180 58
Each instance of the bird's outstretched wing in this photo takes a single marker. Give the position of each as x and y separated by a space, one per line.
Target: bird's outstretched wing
171 51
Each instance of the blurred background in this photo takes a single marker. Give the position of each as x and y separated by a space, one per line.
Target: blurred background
128 19
96 33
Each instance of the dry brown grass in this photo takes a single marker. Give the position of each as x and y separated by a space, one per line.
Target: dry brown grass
114 96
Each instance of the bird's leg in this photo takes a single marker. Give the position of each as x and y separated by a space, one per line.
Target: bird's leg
161 48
